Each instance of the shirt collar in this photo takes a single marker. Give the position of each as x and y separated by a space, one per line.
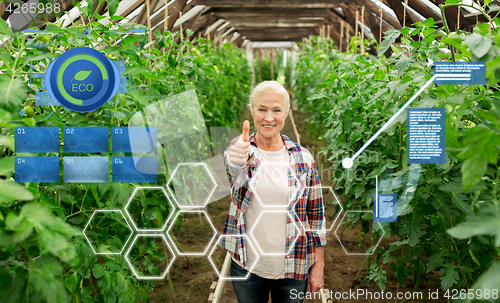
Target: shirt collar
290 145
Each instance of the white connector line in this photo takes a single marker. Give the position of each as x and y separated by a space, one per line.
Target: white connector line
347 162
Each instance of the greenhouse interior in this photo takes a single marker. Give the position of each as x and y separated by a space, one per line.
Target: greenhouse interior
134 134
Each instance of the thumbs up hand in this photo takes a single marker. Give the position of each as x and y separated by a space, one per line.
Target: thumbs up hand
238 152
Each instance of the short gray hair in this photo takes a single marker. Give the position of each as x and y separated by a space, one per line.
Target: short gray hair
267 86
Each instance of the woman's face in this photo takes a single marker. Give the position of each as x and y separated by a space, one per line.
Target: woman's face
269 113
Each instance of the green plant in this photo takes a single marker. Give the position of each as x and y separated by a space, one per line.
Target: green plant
44 255
450 225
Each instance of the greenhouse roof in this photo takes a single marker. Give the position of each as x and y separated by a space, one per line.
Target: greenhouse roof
237 21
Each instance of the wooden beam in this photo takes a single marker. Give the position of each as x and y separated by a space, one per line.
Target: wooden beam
272 3
252 12
398 8
174 11
130 9
424 10
237 24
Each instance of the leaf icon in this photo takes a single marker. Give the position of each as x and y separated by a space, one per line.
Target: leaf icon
82 75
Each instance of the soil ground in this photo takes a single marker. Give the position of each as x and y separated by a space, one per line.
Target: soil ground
192 277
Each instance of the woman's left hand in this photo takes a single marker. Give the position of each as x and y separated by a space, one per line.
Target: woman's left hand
316 278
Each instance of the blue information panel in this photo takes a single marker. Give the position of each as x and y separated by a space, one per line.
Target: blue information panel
37 169
134 139
86 139
425 135
385 210
125 170
40 139
86 169
465 73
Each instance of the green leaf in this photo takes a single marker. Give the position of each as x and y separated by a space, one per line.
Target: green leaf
390 37
484 223
429 22
13 91
414 229
30 58
473 170
488 280
98 270
5 29
82 75
478 44
450 277
459 201
45 280
434 261
7 141
112 6
12 191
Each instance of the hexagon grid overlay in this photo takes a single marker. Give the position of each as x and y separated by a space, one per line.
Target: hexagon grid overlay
140 218
186 251
191 185
272 171
332 208
222 254
257 228
343 246
154 271
113 244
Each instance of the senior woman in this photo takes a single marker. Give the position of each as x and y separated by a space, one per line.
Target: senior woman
263 167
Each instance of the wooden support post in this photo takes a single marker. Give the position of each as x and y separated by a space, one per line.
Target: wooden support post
260 65
341 34
328 36
362 44
356 25
380 34
272 64
404 13
291 68
180 24
148 14
219 286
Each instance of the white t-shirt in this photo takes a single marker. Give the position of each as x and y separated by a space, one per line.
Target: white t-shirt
270 232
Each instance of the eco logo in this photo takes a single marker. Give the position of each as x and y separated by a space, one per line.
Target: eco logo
82 79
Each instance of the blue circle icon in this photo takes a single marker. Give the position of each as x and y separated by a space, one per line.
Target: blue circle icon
82 79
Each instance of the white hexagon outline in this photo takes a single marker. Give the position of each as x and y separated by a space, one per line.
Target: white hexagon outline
334 221
166 196
151 277
125 219
215 268
289 202
291 246
167 232
358 254
191 206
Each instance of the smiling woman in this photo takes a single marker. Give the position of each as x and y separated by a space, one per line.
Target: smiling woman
275 170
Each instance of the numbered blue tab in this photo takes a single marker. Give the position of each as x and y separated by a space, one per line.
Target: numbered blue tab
86 169
466 73
86 139
385 209
134 139
125 169
37 169
39 139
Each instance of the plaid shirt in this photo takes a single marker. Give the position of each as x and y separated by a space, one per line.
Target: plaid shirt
306 206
